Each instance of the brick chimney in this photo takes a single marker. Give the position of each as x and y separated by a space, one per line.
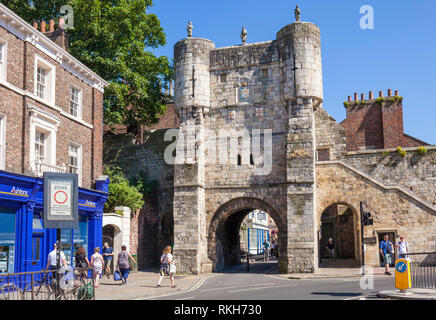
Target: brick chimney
57 35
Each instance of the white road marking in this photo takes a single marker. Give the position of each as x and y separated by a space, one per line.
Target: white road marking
261 288
356 298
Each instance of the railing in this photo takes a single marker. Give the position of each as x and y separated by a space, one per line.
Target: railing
42 167
67 284
423 272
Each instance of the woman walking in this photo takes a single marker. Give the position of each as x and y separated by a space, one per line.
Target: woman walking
97 263
82 262
123 263
168 267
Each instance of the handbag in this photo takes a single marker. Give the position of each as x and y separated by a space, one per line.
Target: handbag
117 276
173 268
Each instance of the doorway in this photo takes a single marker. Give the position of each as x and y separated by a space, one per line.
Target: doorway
392 238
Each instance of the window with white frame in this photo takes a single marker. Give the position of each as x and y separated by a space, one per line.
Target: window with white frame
41 83
75 102
45 80
3 65
40 146
2 142
74 161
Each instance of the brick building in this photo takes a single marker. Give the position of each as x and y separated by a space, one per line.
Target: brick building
376 123
51 120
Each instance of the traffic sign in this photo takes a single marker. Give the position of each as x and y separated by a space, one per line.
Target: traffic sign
402 274
60 201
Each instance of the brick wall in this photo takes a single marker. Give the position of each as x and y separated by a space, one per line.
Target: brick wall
17 95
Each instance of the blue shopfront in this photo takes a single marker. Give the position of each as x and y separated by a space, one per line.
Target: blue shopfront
24 243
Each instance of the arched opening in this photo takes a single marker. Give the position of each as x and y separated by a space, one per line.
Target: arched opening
228 239
338 223
113 236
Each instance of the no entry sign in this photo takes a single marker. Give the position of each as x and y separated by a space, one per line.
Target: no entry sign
60 201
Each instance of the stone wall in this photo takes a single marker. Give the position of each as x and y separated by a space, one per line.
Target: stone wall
393 210
152 225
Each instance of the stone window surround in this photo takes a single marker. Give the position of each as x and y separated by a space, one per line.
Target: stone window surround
50 79
3 121
3 60
79 159
44 122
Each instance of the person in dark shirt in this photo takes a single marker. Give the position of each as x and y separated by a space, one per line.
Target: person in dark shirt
331 249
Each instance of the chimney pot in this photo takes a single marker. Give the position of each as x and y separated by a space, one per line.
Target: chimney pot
349 98
43 25
371 95
356 96
62 23
380 94
362 97
389 92
35 24
52 25
396 93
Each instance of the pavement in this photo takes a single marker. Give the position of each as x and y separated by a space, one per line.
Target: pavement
412 294
142 285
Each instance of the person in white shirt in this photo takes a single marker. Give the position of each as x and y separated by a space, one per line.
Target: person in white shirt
167 267
52 261
403 248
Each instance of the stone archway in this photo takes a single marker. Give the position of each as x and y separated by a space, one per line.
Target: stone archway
223 232
113 236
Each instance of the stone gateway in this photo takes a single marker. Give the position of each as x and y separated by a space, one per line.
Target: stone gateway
273 92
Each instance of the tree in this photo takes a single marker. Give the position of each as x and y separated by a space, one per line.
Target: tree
121 192
113 38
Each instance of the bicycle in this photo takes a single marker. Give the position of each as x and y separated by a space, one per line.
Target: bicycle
10 291
43 288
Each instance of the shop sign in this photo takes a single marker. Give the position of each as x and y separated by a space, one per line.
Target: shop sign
60 201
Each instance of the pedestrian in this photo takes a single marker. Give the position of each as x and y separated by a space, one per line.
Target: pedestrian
403 248
167 267
97 263
81 259
266 248
108 253
386 250
273 248
52 259
123 264
331 249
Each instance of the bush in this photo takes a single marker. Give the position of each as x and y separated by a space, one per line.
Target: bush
386 153
346 104
121 192
401 152
380 100
422 151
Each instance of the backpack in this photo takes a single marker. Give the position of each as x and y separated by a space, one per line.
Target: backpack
85 292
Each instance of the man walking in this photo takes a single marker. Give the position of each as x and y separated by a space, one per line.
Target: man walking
403 248
108 254
386 250
52 259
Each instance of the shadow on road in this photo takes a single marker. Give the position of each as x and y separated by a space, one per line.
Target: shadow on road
337 294
258 267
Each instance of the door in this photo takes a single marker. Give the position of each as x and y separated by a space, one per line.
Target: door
37 240
392 238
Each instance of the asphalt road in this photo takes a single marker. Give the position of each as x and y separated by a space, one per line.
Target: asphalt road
236 284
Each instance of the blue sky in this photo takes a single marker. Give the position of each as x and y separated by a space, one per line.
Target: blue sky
399 54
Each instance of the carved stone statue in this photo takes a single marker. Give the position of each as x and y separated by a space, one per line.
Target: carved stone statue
189 29
244 36
297 14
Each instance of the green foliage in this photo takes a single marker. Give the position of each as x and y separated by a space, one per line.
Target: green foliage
422 151
144 184
386 153
346 104
114 38
121 192
380 100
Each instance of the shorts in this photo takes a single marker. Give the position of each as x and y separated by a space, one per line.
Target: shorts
387 259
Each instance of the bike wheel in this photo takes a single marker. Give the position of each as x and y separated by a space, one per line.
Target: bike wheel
40 292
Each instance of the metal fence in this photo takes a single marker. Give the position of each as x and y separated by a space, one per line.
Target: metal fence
423 270
67 284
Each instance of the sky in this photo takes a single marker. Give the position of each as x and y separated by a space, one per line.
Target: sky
398 54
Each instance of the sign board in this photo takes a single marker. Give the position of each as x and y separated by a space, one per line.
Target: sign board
402 274
372 240
61 197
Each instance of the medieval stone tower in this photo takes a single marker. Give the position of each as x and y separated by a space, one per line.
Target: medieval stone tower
273 85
